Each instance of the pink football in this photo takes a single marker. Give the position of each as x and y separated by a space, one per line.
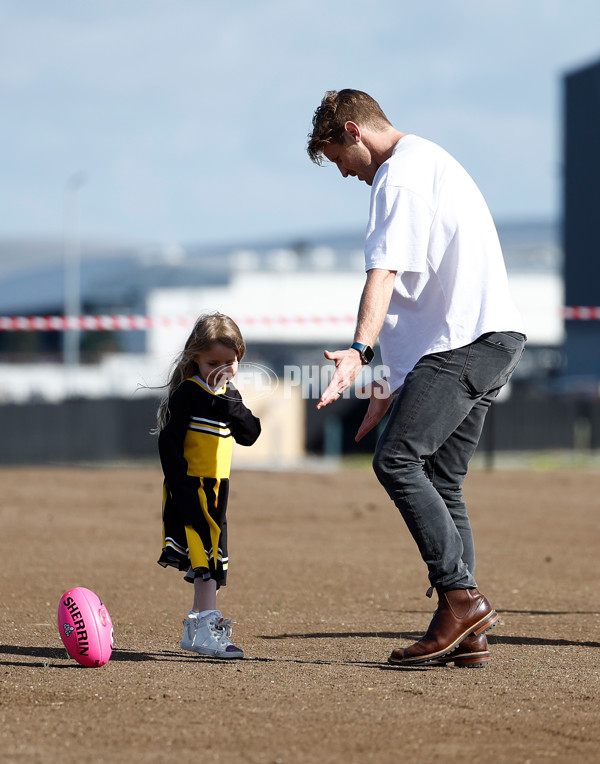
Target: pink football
85 627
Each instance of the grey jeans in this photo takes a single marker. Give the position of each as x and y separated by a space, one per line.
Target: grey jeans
433 430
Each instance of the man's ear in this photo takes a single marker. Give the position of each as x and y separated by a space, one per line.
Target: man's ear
352 131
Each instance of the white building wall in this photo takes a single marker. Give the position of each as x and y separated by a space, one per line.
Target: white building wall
540 298
319 308
281 307
291 307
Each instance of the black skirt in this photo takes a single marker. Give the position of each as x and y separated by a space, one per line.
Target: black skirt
201 546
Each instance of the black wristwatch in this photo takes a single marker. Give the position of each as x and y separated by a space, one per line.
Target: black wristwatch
365 351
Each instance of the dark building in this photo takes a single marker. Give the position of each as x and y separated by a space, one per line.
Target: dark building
581 234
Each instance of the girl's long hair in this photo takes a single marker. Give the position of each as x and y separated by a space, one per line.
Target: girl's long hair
208 329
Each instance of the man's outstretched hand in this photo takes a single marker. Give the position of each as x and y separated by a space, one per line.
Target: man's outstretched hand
347 368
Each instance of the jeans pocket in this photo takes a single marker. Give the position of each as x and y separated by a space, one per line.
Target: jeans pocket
491 360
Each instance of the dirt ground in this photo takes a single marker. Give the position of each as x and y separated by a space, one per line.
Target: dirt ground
324 581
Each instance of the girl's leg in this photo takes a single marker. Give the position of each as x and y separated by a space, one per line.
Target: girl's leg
205 594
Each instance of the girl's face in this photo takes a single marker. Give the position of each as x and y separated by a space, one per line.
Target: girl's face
217 364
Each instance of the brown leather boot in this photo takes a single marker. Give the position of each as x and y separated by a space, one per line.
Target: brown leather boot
472 652
460 613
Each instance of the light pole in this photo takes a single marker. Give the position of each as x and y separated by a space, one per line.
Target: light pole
72 289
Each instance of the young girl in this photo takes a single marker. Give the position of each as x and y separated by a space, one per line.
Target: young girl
198 420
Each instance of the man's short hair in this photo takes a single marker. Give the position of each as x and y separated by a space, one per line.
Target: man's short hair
337 108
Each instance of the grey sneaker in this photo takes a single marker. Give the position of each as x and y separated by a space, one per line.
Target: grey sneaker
210 635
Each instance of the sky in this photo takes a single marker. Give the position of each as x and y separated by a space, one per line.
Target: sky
185 121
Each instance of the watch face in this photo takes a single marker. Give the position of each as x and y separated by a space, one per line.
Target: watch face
366 352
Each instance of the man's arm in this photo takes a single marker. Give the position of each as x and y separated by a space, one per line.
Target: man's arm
372 311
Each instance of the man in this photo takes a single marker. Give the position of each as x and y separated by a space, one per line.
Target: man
436 295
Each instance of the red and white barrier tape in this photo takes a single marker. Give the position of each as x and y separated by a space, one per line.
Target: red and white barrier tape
582 313
125 323
122 323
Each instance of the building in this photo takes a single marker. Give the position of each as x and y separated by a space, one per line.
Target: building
291 301
580 239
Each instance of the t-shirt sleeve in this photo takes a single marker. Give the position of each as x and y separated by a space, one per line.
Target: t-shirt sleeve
397 235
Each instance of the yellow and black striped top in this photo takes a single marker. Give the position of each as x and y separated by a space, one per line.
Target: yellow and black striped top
197 440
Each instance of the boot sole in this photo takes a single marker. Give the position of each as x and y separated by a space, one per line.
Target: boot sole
488 622
466 660
475 661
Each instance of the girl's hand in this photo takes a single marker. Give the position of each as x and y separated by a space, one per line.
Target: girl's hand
380 398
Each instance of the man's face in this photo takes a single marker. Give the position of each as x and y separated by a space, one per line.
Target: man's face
352 158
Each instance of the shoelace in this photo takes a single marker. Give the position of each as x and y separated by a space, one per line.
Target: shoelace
224 625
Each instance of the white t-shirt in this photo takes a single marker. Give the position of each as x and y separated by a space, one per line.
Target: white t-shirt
429 222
